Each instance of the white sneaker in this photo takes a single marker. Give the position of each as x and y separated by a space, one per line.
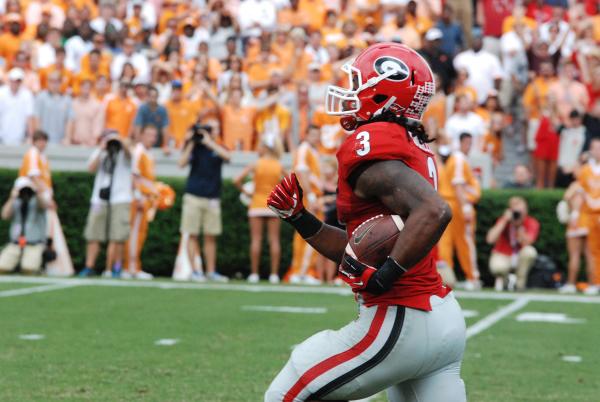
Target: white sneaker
107 274
127 275
472 285
567 288
592 290
499 284
145 276
198 277
338 282
274 279
253 278
295 279
310 280
512 282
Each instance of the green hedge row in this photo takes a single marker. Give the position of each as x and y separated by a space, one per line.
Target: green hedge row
72 193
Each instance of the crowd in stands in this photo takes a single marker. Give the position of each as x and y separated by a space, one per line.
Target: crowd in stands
526 70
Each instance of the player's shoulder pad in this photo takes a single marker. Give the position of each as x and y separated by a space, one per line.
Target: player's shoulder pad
376 141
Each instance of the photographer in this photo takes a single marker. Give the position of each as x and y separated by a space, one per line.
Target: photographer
110 209
513 236
201 202
26 208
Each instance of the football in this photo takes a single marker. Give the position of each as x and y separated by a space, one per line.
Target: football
373 240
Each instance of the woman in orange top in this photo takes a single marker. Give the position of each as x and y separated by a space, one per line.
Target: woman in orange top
266 173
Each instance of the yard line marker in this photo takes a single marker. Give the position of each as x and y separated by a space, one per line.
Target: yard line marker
166 342
470 313
558 318
496 316
534 297
286 309
32 337
572 359
36 289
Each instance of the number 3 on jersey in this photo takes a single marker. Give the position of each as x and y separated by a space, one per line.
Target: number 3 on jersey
364 146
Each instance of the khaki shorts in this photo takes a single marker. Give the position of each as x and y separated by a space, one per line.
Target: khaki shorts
31 261
95 228
201 214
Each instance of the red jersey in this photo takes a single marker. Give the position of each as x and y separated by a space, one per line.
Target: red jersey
378 142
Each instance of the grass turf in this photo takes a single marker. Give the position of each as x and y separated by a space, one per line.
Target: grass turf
99 345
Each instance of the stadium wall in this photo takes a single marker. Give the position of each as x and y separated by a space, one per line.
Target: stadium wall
73 189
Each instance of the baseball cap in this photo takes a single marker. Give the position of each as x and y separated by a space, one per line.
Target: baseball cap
176 84
16 74
23 182
434 34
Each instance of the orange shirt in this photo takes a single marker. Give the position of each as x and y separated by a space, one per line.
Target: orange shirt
182 115
332 133
103 68
267 174
466 90
535 97
120 114
457 171
420 23
436 111
314 10
307 160
238 127
259 72
493 146
509 23
67 77
9 46
273 120
589 179
289 17
35 164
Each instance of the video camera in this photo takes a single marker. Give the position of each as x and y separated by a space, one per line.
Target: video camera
198 131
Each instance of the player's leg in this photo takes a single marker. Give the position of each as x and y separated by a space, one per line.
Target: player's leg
274 234
444 385
256 233
326 366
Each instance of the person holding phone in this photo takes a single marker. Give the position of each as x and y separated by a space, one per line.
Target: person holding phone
513 236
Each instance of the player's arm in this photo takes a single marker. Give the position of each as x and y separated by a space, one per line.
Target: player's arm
286 201
408 194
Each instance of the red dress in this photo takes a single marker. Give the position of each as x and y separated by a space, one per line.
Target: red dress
547 141
378 142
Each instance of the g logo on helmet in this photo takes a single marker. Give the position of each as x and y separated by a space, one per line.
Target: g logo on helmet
386 64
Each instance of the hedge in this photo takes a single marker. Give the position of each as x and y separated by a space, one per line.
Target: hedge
72 194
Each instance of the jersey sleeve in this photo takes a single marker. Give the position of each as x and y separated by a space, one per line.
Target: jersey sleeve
374 142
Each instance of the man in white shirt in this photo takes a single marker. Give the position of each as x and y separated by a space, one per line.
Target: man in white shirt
107 16
256 15
191 38
139 62
484 68
465 121
16 110
78 46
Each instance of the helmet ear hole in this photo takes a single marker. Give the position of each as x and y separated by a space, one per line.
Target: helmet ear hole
380 98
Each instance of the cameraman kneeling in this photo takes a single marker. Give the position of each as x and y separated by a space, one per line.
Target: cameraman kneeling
110 209
202 200
26 208
513 236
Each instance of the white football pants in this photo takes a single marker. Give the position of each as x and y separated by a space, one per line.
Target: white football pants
415 355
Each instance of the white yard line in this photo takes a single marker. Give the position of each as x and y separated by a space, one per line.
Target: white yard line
242 287
496 316
36 289
286 309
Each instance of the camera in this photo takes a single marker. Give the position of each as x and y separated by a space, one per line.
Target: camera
516 215
198 131
26 193
113 146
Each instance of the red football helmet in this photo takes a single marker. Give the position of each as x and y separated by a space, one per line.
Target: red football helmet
385 76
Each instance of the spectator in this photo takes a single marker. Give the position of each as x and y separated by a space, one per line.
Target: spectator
201 211
31 79
452 39
110 205
182 115
143 205
10 41
591 121
137 60
256 15
465 121
577 233
399 30
439 61
78 46
266 173
107 18
566 93
521 178
35 165
191 38
490 16
572 139
589 180
26 209
535 99
274 120
513 236
459 187
151 113
545 155
16 110
492 142
53 110
485 71
87 118
58 66
120 111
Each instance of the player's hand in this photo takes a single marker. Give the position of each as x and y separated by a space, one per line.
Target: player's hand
286 198
355 273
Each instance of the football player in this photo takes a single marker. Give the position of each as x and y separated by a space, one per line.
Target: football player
409 336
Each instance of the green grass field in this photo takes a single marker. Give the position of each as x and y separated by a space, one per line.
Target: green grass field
98 342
